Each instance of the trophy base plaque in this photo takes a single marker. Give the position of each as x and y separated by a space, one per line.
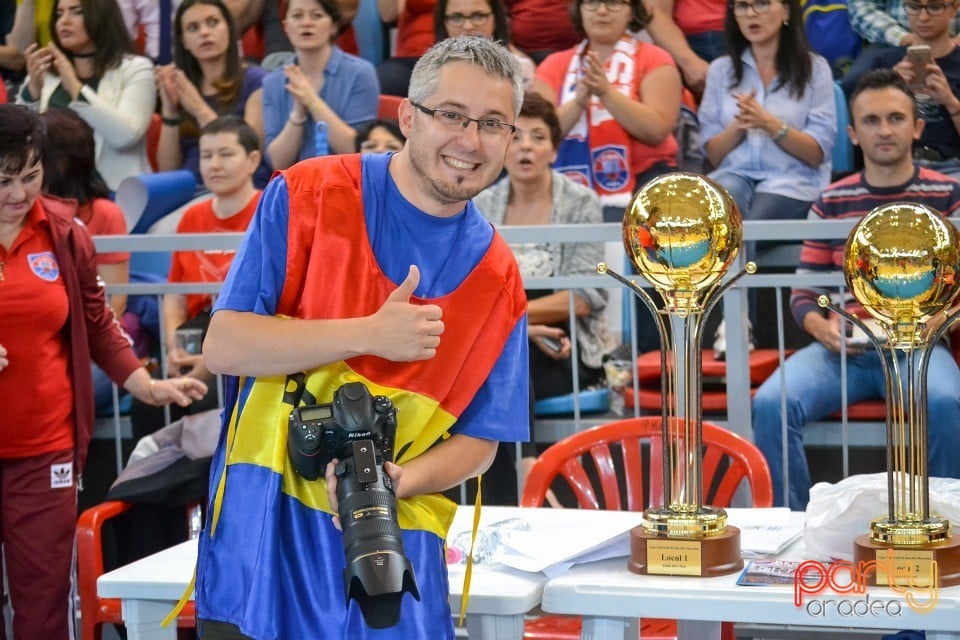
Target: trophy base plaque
716 555
910 562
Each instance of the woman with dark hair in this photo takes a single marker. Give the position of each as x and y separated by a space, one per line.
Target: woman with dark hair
534 194
619 100
479 18
88 68
55 322
767 119
207 79
459 18
69 173
379 136
322 96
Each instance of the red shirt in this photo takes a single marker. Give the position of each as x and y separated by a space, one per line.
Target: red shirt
541 25
415 28
348 40
698 16
209 265
648 57
36 395
103 217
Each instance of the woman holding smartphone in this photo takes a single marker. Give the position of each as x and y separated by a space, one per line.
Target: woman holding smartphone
931 66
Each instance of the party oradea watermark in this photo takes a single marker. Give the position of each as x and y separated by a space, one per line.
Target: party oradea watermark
912 576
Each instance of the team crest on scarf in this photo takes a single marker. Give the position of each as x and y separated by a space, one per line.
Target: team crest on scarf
610 168
44 265
579 174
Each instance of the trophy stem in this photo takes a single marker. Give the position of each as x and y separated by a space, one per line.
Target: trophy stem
908 521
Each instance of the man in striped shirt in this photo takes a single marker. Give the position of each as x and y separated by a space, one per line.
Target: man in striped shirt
885 125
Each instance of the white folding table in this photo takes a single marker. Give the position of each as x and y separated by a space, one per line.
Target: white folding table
499 596
611 599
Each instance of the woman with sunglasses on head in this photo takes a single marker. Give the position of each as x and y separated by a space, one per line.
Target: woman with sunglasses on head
206 80
88 68
767 119
322 85
479 18
619 100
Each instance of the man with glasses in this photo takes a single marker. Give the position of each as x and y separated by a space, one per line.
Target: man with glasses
937 84
376 269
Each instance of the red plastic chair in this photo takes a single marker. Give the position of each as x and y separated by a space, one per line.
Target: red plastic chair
389 107
94 610
727 460
762 363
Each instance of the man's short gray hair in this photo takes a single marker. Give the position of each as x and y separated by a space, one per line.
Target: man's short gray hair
494 58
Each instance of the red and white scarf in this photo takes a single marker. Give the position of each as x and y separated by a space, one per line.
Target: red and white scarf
596 151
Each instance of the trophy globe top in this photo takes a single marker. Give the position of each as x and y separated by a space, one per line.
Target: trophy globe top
901 262
682 232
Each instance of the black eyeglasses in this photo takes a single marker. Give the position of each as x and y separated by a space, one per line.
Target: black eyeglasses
742 7
454 120
612 5
476 18
934 8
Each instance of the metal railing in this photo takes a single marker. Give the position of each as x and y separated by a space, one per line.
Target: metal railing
734 308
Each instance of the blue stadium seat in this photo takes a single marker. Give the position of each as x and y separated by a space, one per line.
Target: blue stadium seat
591 401
842 146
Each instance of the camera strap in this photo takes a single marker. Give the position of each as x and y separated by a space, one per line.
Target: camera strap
468 572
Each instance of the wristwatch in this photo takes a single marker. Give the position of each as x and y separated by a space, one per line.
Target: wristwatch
781 132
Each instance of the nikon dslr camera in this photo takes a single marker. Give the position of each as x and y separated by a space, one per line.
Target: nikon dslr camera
359 429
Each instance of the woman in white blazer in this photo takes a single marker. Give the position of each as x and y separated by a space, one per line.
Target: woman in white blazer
88 68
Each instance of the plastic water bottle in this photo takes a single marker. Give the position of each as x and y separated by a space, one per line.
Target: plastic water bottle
321 145
489 542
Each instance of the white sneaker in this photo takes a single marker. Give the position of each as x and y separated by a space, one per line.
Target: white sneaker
720 340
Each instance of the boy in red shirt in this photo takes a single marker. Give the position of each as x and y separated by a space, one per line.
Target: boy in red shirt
229 156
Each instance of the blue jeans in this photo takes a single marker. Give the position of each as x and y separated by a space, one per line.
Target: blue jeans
707 45
757 205
812 393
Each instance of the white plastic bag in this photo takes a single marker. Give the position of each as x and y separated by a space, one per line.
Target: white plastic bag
838 513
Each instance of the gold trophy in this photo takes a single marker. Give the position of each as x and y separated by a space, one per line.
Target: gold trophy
682 232
901 263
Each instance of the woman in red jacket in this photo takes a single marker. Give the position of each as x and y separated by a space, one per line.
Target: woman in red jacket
54 322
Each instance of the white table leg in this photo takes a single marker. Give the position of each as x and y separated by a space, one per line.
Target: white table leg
609 628
491 627
698 630
142 619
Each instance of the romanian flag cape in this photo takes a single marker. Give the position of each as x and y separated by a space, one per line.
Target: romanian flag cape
270 551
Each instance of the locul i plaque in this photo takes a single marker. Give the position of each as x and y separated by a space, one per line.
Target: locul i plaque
682 232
